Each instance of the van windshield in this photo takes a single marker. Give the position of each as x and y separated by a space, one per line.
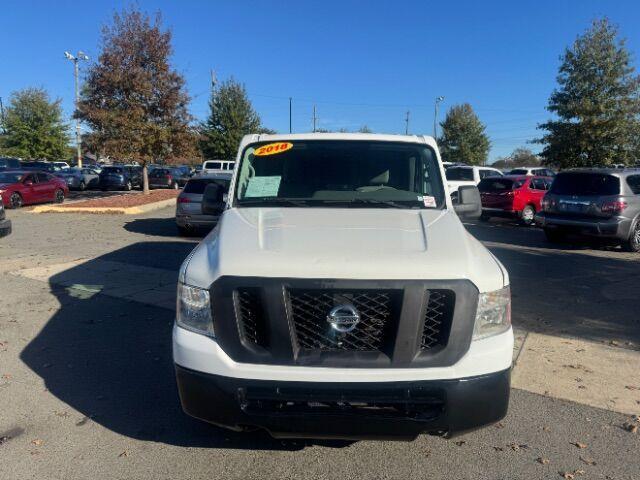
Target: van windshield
339 173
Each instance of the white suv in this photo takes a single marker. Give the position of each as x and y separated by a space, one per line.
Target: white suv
340 296
458 176
533 171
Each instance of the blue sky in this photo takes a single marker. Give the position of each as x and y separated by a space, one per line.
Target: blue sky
360 62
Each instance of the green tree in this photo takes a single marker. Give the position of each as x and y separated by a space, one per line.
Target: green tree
463 137
520 157
231 117
33 126
597 103
134 102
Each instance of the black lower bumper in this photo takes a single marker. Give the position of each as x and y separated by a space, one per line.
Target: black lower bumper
5 227
355 411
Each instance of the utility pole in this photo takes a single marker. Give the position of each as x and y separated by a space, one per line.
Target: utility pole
315 119
406 121
435 116
290 121
75 60
1 114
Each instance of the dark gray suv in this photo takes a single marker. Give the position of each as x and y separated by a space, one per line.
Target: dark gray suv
596 202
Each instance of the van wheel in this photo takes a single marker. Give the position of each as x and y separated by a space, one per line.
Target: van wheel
554 236
633 244
15 201
527 215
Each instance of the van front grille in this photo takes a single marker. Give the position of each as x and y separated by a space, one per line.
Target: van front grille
336 323
250 315
437 319
313 331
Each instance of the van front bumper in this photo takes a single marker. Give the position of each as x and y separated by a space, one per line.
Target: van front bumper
353 411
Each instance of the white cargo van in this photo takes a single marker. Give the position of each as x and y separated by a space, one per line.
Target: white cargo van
340 296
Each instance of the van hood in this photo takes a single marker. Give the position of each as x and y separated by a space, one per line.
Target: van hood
342 243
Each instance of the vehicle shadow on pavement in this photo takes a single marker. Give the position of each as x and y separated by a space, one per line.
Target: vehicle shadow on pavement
508 231
160 227
110 358
573 294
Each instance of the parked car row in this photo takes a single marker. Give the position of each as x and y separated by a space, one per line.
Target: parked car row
120 177
596 203
601 203
170 177
80 178
514 196
24 187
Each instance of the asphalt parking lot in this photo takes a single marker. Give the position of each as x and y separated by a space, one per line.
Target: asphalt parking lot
87 388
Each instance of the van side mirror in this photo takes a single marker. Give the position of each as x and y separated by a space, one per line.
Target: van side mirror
469 205
212 199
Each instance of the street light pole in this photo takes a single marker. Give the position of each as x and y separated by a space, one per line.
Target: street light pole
75 60
435 116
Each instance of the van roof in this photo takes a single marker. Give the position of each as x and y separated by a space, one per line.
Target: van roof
339 136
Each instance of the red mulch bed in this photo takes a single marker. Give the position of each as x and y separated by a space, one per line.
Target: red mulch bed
125 200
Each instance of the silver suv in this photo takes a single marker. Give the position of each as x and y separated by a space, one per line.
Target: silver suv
599 202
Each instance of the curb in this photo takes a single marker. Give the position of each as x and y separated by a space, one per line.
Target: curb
149 207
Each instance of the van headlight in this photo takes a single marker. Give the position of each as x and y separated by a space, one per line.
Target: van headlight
193 310
494 313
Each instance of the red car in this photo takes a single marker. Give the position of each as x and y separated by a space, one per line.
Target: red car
513 196
20 187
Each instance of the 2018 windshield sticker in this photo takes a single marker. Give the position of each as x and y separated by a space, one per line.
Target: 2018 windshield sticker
273 149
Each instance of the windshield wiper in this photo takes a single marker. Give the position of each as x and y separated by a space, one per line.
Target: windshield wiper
381 203
273 202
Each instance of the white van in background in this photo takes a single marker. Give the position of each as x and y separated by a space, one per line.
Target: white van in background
463 175
217 166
